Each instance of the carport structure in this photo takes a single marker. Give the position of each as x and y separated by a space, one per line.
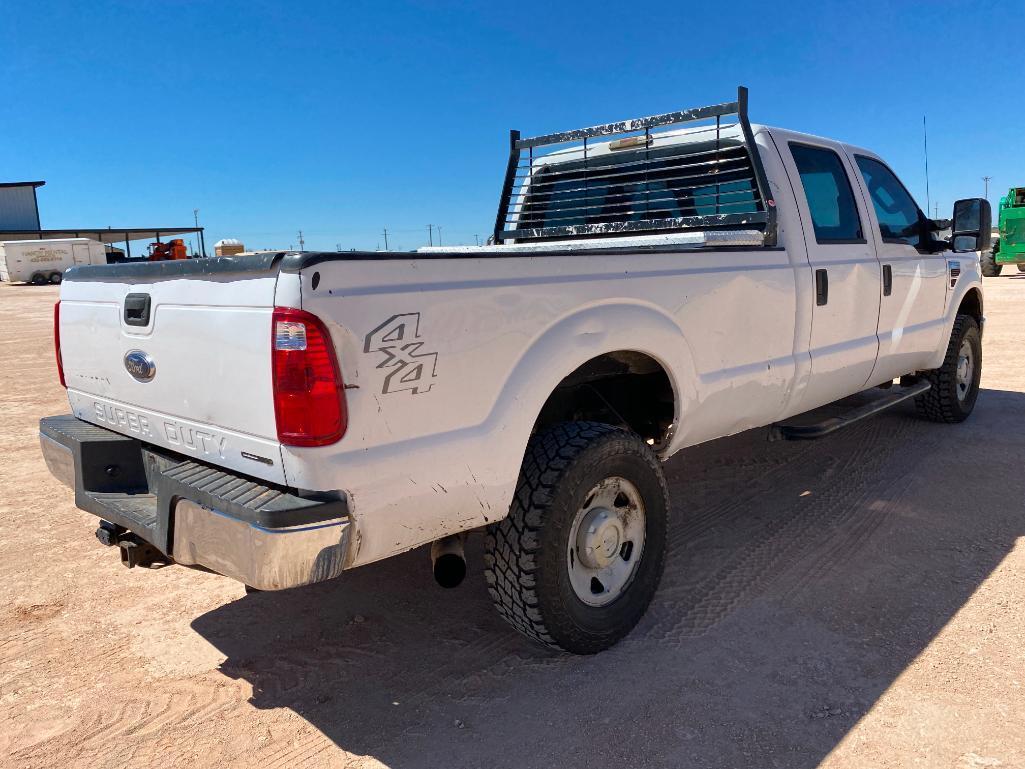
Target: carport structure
109 235
19 220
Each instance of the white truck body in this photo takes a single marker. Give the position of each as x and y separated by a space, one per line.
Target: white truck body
449 356
21 260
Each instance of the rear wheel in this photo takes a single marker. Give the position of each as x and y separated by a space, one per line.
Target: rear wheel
38 279
56 277
578 559
955 384
990 268
1021 268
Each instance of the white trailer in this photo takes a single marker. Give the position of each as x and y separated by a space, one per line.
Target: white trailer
44 261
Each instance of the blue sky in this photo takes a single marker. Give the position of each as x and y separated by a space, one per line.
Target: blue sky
341 119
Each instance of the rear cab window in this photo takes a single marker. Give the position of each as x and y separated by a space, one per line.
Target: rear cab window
828 192
690 179
900 220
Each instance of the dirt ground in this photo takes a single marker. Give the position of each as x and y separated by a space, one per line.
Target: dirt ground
853 602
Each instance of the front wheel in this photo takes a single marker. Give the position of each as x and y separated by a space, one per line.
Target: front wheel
955 384
577 561
1021 268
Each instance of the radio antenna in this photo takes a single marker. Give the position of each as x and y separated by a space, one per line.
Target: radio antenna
925 142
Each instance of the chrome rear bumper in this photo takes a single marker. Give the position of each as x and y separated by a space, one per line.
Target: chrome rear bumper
195 514
267 559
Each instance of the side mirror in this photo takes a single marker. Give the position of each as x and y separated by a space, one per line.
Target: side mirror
972 222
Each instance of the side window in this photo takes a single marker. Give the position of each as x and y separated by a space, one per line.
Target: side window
829 194
899 219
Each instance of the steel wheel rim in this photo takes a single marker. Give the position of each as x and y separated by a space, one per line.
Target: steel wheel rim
965 370
606 541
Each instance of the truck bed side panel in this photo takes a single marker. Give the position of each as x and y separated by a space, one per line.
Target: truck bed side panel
449 361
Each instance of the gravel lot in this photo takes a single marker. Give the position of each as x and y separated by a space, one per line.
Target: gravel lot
852 602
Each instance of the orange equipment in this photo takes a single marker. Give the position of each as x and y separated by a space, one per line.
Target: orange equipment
172 249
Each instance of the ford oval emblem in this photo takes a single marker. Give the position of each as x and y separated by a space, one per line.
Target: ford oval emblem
140 365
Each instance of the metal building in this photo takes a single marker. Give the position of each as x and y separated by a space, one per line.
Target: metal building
19 220
19 209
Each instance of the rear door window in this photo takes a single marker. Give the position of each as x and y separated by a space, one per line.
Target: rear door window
827 189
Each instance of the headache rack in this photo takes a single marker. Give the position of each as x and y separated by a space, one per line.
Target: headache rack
698 172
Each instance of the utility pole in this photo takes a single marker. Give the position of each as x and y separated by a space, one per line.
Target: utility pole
476 239
202 240
430 234
439 234
338 246
986 180
935 210
302 242
385 238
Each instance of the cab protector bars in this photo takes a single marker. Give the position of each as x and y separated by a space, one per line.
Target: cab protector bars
644 189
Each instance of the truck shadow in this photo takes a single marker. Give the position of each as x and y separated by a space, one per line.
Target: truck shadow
802 579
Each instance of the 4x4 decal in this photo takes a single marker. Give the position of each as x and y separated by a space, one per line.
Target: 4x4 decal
398 340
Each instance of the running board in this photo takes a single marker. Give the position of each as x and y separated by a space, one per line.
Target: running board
808 432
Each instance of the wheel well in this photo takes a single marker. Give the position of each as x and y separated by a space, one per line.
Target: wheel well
971 304
624 388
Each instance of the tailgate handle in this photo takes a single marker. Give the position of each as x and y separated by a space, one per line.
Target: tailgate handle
137 309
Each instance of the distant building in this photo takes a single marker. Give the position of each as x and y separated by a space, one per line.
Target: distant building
19 209
228 247
19 220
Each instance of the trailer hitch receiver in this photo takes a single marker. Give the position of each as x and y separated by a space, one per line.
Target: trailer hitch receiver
135 551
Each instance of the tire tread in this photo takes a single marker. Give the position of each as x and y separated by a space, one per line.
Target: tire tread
939 403
512 548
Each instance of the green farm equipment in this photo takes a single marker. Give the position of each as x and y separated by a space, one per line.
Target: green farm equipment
1009 243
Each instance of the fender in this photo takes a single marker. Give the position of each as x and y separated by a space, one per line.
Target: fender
970 280
581 336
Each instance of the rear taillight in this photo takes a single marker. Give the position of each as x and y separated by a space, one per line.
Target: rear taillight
309 400
57 342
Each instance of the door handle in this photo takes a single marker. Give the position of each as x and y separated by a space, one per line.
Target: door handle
887 280
821 287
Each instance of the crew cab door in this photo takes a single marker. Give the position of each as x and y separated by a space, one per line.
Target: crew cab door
846 274
911 312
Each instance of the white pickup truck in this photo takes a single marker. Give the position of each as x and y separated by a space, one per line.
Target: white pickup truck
650 284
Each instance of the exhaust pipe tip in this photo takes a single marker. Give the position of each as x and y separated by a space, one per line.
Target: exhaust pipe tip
449 570
448 561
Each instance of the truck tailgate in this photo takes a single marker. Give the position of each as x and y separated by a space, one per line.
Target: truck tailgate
192 375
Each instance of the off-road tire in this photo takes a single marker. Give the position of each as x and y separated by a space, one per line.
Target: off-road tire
940 403
525 554
988 262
